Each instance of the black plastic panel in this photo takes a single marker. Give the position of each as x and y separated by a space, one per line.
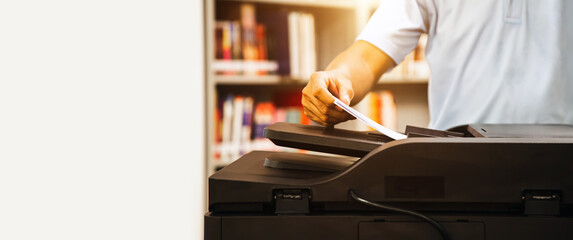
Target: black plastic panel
366 227
321 139
521 130
420 230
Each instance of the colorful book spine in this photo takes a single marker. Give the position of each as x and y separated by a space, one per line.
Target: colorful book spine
302 46
226 129
246 130
227 40
241 46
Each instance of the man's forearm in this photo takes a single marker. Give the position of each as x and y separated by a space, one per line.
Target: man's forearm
363 64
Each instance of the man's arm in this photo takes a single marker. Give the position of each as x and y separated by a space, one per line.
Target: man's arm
349 77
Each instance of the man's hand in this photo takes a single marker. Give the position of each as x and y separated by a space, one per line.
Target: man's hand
318 101
364 62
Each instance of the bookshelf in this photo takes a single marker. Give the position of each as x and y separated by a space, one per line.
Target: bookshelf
283 80
336 24
255 80
344 4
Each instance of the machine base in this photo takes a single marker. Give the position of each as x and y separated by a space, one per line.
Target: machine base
375 227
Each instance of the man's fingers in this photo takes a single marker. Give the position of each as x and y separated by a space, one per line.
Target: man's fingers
321 119
311 108
346 96
324 96
319 94
313 117
324 113
346 93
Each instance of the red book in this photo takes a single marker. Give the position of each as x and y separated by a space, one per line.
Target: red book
261 45
227 39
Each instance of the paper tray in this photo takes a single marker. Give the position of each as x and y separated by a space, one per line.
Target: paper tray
321 139
307 162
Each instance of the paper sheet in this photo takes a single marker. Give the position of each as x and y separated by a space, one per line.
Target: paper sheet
392 134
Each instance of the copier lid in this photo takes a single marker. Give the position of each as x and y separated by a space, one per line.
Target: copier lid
321 139
519 130
358 144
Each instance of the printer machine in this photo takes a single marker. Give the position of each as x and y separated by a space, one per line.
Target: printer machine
477 181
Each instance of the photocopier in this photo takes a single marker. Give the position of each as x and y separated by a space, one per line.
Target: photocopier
476 181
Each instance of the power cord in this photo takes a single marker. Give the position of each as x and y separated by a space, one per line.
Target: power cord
432 222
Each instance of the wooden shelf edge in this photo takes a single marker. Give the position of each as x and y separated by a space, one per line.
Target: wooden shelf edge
257 80
342 4
286 80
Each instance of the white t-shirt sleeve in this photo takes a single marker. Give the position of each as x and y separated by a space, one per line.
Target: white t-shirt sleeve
395 28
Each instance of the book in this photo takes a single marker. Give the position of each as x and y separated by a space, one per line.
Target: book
226 131
219 39
302 46
281 43
261 46
241 46
236 127
246 129
226 40
240 121
218 113
307 46
294 46
236 52
277 32
263 117
249 26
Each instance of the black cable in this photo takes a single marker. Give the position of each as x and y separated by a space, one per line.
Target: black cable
432 222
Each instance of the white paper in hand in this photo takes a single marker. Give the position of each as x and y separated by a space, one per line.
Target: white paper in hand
368 121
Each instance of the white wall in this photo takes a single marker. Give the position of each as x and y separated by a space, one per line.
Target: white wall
101 119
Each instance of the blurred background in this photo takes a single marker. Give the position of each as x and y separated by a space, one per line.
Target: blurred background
101 119
261 53
114 113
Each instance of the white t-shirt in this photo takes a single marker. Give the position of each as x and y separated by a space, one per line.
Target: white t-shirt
492 61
